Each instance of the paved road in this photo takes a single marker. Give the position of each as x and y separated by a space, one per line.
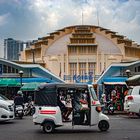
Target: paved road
121 128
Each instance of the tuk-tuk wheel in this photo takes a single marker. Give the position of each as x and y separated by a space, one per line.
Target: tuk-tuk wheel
48 127
103 125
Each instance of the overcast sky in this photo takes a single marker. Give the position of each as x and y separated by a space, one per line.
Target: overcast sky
30 19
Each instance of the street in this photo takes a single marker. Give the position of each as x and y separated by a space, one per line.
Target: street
121 128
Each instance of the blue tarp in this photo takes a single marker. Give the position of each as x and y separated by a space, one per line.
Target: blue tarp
115 80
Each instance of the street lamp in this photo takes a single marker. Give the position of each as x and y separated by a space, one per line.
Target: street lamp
21 74
128 72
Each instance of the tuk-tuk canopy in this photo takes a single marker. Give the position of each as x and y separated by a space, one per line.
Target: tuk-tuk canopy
63 85
47 93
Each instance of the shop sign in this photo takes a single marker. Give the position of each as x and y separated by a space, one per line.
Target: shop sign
79 78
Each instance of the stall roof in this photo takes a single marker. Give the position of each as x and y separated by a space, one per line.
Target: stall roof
133 81
15 82
115 80
114 70
7 82
30 86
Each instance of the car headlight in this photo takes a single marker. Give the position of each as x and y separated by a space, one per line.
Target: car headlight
4 107
11 108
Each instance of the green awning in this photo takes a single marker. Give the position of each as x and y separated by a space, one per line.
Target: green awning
30 86
6 82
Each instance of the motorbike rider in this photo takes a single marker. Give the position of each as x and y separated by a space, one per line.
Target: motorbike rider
18 100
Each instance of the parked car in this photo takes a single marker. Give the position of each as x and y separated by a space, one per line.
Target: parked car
132 100
6 111
2 97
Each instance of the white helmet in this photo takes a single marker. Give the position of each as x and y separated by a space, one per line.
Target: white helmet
20 93
103 95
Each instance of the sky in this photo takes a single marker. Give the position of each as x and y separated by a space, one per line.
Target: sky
30 19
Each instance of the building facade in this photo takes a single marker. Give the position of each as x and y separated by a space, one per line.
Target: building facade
12 49
81 53
14 75
9 69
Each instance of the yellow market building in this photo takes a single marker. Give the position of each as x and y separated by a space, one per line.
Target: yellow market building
81 53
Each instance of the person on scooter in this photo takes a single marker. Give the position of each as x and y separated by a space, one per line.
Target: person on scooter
18 100
19 105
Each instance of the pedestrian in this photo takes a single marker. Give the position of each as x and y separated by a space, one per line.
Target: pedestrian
103 102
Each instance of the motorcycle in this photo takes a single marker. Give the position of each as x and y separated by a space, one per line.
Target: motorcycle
110 107
19 111
28 110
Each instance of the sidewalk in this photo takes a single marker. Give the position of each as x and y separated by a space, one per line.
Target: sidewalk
124 114
116 112
120 112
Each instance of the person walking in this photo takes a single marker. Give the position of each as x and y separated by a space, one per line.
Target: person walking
103 102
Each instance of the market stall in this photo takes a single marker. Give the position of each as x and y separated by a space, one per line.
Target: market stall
114 89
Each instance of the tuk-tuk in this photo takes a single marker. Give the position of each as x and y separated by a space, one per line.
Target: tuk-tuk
76 104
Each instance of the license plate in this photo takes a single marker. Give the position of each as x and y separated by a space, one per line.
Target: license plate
19 111
111 107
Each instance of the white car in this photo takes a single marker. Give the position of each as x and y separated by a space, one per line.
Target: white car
6 111
2 97
132 100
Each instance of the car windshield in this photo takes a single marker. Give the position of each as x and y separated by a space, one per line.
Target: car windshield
135 91
2 97
130 91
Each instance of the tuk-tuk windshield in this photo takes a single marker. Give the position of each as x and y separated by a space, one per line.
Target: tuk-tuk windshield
46 97
93 94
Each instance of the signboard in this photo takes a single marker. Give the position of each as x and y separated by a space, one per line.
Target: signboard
79 78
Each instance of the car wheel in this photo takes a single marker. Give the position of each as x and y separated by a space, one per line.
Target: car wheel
48 127
103 125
